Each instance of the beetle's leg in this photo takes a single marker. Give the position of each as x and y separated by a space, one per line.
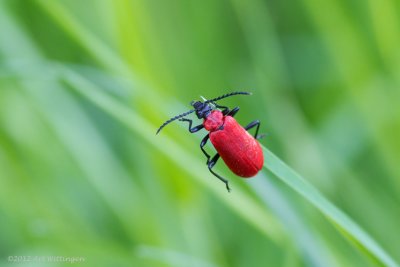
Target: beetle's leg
202 144
211 163
253 124
225 110
233 112
195 128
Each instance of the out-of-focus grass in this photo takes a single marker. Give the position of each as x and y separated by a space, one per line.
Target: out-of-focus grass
75 181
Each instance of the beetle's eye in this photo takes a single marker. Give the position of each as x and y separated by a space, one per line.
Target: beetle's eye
192 102
196 104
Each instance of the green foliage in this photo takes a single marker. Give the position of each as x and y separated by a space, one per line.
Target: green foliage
85 84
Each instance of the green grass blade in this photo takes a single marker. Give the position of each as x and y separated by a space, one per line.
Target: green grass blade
340 219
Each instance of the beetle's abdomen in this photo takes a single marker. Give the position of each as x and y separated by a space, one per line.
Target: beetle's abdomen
238 149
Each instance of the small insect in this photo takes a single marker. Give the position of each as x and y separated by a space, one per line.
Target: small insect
238 149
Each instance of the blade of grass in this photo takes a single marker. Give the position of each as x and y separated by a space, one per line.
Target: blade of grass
338 217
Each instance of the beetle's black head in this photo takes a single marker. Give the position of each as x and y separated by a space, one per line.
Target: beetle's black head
202 109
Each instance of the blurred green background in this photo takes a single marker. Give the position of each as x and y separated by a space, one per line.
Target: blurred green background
84 85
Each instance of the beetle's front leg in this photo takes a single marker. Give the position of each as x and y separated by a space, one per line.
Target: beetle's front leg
233 112
225 110
195 128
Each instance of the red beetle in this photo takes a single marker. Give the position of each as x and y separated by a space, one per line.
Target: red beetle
239 150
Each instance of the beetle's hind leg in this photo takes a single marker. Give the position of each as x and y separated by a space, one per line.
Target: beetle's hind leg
212 161
253 124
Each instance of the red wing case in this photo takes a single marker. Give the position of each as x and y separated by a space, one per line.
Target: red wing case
238 149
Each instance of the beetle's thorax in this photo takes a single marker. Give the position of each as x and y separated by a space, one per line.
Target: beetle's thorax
213 121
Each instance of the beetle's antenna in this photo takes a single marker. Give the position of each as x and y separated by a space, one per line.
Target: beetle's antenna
174 118
227 95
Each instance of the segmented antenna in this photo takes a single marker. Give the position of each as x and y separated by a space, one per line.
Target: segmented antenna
227 95
174 118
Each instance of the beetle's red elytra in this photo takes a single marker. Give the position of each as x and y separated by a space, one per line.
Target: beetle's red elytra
240 151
